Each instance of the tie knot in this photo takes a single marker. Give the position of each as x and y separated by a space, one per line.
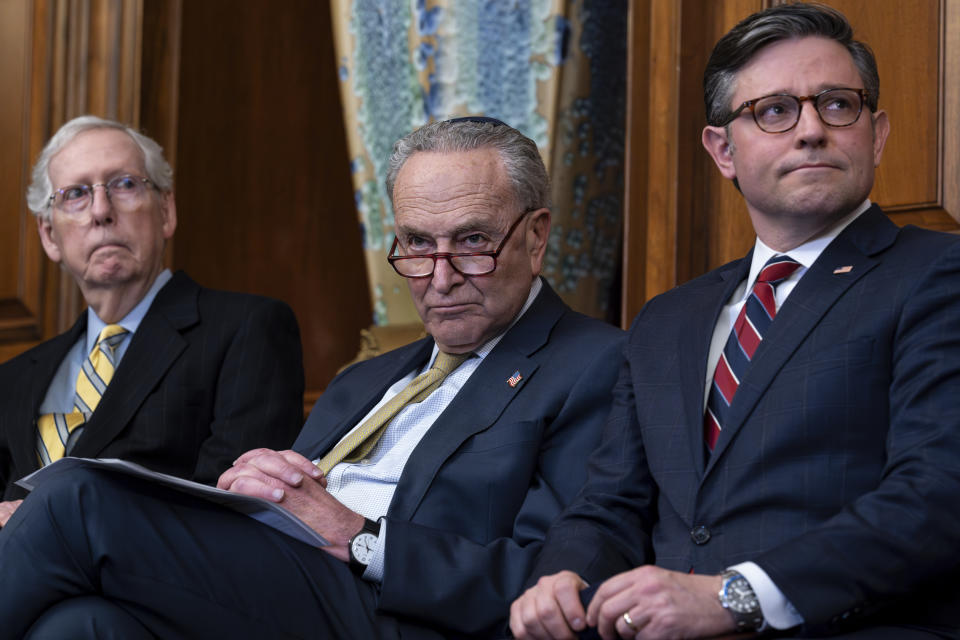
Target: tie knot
448 362
111 335
778 268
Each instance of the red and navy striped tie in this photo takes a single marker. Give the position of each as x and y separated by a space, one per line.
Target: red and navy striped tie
755 317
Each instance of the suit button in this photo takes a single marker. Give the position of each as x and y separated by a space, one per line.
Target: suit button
700 535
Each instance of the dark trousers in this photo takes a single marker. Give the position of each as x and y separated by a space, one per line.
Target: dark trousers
171 564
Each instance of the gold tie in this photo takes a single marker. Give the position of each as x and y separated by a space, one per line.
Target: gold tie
362 440
55 429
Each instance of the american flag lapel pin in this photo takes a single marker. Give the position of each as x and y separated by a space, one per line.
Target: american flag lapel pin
846 269
515 378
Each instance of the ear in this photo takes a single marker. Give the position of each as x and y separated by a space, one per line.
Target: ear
716 140
881 129
48 238
168 214
537 235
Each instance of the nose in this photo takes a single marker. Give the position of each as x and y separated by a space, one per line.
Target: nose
810 129
445 277
101 208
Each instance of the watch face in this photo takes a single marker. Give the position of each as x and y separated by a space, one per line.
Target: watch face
361 548
740 596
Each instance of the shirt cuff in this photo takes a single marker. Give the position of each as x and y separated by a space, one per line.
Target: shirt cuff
374 570
778 612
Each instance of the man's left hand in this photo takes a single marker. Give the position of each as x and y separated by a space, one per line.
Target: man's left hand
290 479
660 604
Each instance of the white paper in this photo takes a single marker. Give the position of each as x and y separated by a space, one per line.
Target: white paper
269 513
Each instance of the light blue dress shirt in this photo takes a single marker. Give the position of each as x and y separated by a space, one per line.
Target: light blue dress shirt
63 386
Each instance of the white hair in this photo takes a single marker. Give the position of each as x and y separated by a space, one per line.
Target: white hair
40 189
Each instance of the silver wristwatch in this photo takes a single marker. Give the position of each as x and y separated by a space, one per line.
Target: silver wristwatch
737 596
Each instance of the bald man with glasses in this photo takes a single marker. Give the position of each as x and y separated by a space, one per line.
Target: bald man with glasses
433 470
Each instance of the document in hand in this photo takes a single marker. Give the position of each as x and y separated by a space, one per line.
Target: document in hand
269 513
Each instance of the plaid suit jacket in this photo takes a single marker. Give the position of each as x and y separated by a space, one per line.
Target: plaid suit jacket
840 471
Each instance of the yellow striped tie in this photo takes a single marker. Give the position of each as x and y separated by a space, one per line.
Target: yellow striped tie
362 440
55 429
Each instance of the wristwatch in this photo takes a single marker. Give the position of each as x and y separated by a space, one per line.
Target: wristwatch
737 597
362 546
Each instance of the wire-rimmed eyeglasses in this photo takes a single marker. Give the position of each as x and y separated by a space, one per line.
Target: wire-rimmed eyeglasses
479 263
125 190
780 112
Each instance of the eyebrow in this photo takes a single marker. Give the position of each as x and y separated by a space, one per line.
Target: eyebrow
826 86
473 227
108 176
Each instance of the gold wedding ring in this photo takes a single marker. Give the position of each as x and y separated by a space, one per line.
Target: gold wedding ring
629 621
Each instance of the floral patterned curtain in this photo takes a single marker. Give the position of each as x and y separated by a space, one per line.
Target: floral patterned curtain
554 69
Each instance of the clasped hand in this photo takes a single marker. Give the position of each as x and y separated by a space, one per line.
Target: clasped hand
659 604
287 478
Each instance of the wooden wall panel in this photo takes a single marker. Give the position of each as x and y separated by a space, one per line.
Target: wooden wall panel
14 73
22 263
682 218
264 197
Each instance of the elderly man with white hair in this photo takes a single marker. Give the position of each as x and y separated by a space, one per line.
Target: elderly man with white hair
157 370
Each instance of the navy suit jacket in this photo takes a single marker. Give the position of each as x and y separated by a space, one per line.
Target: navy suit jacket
499 464
839 474
207 376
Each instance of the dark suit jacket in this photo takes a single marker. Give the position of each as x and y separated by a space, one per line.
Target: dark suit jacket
499 464
207 376
840 473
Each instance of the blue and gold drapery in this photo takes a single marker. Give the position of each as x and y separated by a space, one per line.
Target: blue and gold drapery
555 70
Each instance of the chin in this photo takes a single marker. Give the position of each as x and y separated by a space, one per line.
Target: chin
109 277
454 341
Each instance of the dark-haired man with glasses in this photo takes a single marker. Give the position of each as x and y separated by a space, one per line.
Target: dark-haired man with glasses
157 370
433 470
783 452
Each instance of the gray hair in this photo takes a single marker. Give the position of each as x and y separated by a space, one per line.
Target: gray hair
521 159
782 22
38 193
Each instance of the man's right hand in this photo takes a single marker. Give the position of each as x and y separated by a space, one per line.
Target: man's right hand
264 473
550 609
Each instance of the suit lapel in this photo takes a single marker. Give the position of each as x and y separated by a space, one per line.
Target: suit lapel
153 349
818 290
481 402
43 366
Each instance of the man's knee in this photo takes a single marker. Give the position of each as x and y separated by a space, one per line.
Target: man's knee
87 617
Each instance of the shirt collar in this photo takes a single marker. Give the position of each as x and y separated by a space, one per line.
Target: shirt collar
808 252
132 320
